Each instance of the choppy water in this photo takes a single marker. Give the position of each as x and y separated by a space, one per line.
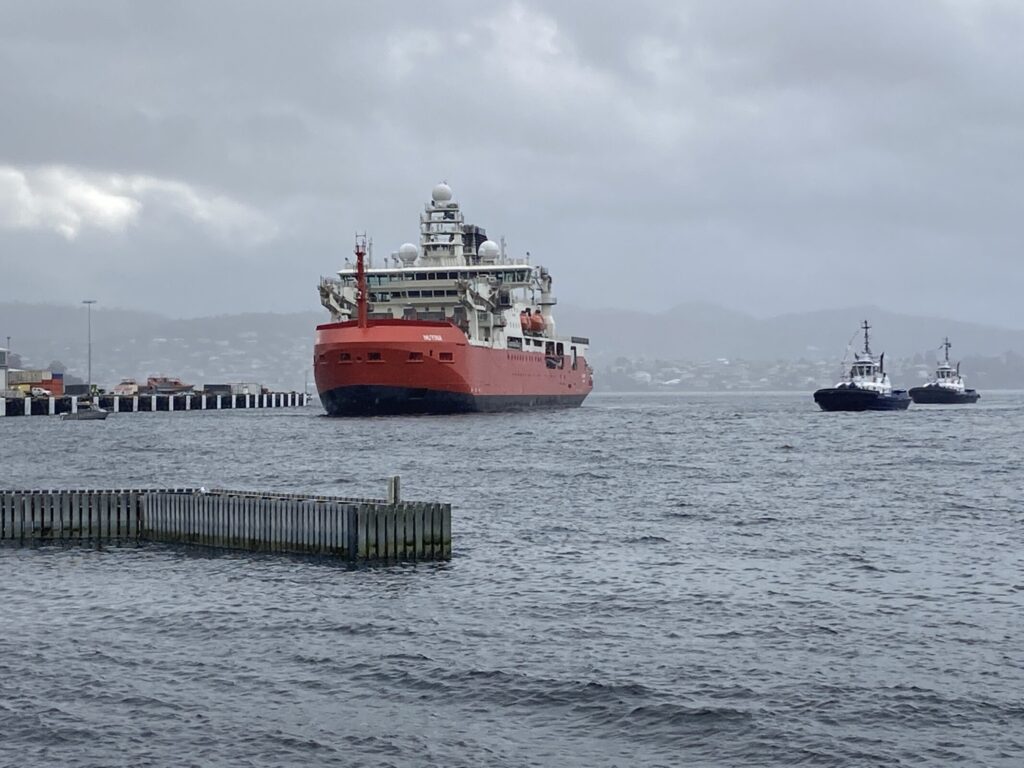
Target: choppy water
716 580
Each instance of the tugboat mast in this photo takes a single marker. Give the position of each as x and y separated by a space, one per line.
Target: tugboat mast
947 345
866 327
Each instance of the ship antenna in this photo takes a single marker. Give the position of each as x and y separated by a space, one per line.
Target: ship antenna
361 279
866 327
947 345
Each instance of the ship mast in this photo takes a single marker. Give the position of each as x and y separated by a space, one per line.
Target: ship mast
361 280
866 327
947 345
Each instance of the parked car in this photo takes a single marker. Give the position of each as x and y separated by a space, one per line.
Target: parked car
40 392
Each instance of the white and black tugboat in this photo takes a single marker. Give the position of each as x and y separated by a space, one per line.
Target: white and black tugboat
947 388
867 388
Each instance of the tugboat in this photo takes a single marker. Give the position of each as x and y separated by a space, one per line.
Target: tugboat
947 387
866 389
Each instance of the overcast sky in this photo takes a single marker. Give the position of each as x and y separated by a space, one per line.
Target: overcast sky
203 158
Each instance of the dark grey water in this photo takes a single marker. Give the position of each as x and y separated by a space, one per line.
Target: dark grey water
716 580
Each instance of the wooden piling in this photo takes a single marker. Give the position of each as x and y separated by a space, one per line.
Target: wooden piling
352 529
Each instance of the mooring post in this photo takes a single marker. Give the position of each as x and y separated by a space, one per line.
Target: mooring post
394 489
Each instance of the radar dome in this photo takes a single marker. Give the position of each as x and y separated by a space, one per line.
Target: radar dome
489 250
442 193
408 253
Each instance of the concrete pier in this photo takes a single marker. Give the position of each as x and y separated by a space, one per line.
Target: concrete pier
356 530
42 406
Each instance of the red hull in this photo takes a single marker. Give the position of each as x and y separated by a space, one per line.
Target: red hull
408 366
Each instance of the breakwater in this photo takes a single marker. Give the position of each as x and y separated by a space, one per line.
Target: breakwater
198 401
353 529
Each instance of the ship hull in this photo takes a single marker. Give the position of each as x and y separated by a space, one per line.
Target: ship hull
854 399
409 366
362 400
943 396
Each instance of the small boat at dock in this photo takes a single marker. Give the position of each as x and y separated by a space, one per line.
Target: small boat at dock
164 385
86 412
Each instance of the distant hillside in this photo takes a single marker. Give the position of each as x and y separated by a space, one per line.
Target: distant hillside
697 331
276 349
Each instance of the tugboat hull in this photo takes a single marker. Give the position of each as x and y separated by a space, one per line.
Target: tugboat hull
943 396
855 399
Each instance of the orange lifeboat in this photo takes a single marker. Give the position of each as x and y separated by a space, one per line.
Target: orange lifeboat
525 321
537 324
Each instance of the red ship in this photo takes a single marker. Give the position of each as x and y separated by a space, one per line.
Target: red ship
450 326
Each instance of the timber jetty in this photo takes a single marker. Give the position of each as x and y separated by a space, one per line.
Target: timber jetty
356 530
192 401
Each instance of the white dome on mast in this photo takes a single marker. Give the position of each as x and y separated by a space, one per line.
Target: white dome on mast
408 253
489 251
441 193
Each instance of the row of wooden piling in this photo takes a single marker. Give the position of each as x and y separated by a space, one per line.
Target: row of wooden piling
358 530
191 401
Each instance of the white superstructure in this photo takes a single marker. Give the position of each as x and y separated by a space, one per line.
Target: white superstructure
866 372
946 376
456 275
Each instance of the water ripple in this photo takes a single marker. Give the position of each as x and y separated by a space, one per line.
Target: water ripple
718 580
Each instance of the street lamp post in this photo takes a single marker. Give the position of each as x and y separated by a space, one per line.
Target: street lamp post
88 309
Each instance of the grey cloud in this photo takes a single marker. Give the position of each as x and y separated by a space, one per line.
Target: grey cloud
770 156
